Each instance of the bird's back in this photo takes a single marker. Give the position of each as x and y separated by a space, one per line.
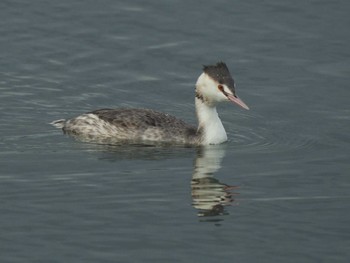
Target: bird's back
132 124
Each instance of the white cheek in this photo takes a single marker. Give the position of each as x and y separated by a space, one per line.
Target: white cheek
220 96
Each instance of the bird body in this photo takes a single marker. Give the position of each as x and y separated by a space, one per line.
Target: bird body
213 86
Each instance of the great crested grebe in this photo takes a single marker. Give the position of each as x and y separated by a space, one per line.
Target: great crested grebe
214 85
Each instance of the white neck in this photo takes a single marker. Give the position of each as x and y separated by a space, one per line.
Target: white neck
208 120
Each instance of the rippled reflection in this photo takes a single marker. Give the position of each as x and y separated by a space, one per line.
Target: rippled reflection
209 195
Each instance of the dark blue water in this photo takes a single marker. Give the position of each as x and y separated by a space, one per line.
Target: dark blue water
278 191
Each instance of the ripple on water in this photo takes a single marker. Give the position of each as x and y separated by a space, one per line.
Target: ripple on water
261 136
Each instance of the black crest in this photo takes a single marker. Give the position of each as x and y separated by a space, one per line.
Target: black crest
220 73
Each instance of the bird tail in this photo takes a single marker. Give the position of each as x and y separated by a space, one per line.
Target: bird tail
59 123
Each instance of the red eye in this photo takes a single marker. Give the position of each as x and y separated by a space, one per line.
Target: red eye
221 88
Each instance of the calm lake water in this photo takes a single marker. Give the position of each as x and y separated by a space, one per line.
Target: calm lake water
277 191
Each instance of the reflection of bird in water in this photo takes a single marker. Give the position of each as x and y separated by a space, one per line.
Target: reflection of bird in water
209 195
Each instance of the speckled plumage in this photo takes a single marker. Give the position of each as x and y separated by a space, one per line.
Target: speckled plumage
132 124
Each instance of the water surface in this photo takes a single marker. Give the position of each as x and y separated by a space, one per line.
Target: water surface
276 192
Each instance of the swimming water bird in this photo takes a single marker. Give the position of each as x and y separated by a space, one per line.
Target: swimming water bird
213 86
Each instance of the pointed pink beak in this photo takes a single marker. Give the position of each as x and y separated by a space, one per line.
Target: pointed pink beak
237 101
